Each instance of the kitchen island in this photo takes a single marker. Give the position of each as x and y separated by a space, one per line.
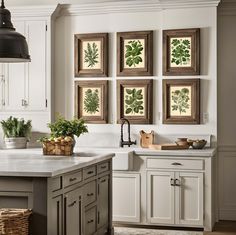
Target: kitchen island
68 195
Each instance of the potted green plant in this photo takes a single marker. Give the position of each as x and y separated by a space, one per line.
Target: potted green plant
61 140
16 132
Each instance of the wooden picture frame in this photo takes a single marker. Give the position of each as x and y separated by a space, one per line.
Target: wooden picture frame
91 101
185 110
91 55
142 63
186 40
141 113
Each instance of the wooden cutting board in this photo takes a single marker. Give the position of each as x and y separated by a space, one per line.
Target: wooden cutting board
168 146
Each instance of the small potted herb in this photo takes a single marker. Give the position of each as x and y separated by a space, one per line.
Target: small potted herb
16 132
61 140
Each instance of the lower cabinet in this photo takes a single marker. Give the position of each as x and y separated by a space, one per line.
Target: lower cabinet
81 206
90 221
175 198
126 197
73 212
103 201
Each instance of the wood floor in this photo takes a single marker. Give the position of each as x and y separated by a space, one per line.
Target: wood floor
224 228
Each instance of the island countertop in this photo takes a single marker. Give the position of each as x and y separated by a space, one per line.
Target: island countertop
32 163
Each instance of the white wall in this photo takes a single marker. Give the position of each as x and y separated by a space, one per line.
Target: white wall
204 18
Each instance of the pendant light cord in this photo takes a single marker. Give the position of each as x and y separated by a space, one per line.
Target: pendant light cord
2 6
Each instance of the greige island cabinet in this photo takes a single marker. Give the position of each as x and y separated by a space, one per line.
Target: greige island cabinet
68 195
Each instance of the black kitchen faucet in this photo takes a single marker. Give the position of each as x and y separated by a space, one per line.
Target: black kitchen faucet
122 142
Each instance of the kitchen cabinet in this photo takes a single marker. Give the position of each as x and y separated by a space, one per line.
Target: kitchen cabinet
175 198
126 197
73 212
86 205
24 84
170 188
160 197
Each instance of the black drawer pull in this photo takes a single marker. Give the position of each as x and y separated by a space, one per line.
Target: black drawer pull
72 204
90 172
103 167
176 164
90 194
103 180
90 221
72 179
172 182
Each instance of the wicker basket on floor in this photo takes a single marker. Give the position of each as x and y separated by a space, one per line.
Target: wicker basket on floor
14 221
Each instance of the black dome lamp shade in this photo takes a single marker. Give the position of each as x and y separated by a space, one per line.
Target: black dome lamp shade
13 45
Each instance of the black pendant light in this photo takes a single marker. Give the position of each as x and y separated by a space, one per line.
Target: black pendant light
13 45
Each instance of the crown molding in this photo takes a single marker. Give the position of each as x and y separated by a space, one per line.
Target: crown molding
130 6
35 11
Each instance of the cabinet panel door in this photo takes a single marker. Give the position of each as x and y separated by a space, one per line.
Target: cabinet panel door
90 221
103 201
189 198
56 216
14 77
73 213
126 197
160 197
36 69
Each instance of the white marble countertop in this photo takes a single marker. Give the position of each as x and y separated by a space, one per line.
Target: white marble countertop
206 152
32 163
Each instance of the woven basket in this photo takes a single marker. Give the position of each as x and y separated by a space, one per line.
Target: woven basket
58 148
14 221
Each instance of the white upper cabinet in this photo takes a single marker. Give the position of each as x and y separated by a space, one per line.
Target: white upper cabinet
25 84
36 76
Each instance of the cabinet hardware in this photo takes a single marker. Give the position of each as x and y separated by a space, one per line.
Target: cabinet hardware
72 179
24 102
3 103
98 217
176 164
90 221
177 182
172 182
103 167
104 180
90 172
72 204
89 194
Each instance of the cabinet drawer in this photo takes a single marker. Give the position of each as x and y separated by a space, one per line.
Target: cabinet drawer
90 192
72 178
105 166
90 221
56 184
188 164
16 184
89 172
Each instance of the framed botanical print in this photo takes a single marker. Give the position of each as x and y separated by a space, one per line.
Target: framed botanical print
91 101
181 101
91 55
134 100
135 53
181 52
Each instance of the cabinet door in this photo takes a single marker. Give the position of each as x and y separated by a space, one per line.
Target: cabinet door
73 213
103 201
14 79
35 94
56 216
189 198
126 197
160 197
90 221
